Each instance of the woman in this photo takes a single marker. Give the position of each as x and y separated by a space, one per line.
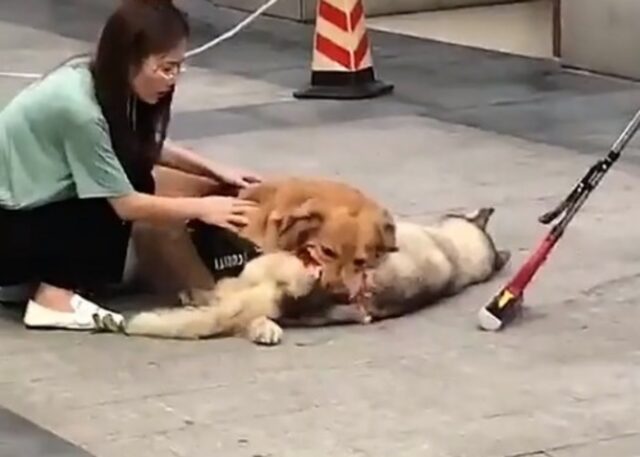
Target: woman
77 151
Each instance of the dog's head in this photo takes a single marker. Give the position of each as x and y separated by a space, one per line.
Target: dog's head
344 244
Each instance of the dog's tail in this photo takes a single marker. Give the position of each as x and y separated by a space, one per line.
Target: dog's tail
178 323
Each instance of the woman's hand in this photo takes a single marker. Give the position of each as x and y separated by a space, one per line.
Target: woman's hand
235 177
228 212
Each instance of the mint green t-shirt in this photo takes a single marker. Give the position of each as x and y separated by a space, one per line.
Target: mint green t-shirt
55 144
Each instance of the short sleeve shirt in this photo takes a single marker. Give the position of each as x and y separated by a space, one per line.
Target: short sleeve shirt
55 144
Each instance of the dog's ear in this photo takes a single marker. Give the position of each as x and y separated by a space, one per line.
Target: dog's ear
391 248
308 213
300 223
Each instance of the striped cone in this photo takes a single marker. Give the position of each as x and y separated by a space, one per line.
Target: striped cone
342 66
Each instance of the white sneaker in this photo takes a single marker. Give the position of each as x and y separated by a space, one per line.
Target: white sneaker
81 318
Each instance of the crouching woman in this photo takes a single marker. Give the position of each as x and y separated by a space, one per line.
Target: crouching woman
77 150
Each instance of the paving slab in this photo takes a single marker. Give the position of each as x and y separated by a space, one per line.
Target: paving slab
465 128
20 437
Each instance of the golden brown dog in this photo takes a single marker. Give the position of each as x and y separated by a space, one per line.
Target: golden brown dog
327 223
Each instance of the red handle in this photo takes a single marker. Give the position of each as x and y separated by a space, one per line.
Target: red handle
529 269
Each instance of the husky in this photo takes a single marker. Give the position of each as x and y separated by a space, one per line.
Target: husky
432 262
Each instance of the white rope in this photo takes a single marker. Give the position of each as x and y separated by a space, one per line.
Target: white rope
12 74
233 31
194 52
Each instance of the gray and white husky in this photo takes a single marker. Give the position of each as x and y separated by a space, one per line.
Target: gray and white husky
433 261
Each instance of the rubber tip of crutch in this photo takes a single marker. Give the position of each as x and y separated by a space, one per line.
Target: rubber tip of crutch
487 321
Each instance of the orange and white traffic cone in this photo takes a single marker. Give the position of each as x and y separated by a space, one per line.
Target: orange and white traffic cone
342 66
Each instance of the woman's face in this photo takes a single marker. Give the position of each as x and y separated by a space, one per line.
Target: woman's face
158 74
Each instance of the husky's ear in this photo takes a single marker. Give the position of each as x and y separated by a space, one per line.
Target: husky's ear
481 217
502 258
387 232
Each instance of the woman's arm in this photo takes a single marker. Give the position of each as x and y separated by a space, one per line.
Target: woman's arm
183 159
139 206
226 212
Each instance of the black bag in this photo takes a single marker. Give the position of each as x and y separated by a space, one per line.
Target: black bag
223 252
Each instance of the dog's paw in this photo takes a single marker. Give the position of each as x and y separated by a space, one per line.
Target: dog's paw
264 331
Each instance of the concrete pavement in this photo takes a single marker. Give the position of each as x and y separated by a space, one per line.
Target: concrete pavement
464 128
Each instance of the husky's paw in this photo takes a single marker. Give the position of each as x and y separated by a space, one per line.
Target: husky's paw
185 298
264 331
365 319
107 323
363 314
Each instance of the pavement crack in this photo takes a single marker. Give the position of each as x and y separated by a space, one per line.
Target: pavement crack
147 397
591 442
531 454
617 281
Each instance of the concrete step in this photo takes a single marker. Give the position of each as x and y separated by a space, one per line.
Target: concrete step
523 28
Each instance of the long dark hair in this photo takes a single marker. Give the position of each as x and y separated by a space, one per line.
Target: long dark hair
137 29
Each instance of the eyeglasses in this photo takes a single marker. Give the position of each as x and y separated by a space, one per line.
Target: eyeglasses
169 70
